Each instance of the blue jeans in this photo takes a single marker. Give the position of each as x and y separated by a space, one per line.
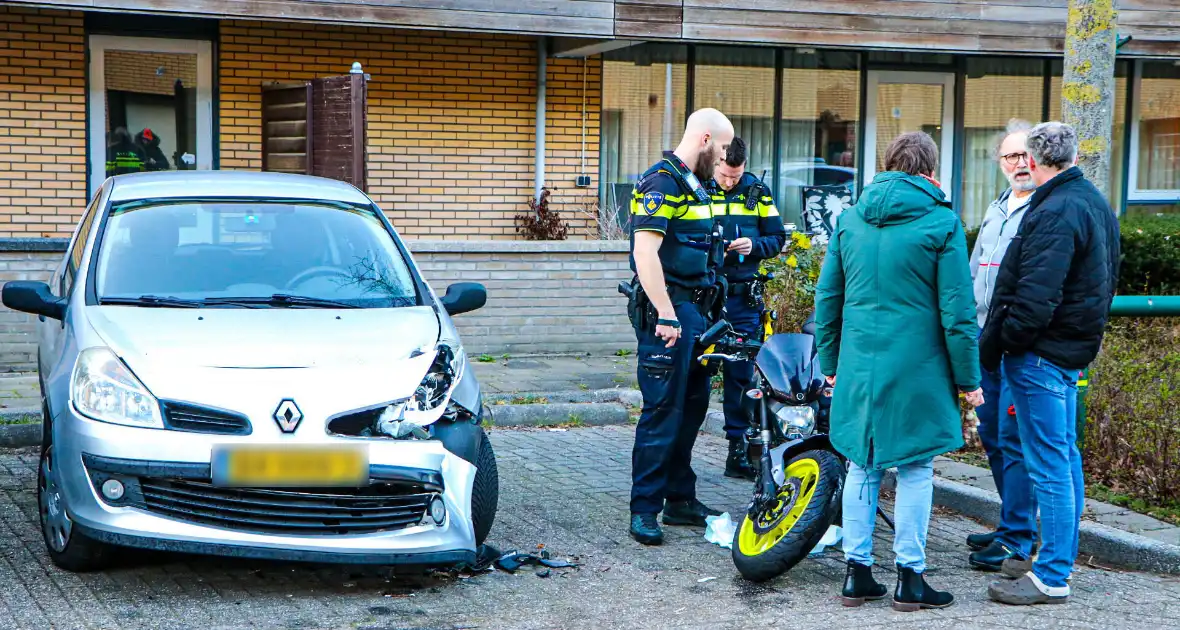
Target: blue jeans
1001 440
1045 396
737 376
911 513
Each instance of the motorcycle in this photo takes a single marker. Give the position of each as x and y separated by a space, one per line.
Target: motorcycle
800 477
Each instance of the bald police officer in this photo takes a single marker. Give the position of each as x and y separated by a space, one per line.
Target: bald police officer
755 232
671 218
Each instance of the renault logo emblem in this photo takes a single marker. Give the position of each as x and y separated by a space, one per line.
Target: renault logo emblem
288 416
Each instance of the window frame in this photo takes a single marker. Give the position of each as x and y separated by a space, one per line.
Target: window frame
1135 194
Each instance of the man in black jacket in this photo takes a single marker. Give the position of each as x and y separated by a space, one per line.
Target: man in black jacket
1047 318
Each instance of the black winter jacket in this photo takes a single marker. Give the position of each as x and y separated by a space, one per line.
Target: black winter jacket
1057 279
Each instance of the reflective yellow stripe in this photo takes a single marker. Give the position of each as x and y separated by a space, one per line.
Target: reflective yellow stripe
695 213
665 211
767 210
635 194
739 209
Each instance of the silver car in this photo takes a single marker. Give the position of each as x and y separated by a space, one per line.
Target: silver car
251 365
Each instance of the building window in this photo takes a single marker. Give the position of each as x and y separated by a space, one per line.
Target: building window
643 108
820 117
1155 136
997 91
1118 132
740 83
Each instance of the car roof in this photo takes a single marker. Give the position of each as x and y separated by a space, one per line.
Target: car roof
232 184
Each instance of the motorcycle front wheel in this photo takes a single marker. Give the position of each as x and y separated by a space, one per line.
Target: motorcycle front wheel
778 538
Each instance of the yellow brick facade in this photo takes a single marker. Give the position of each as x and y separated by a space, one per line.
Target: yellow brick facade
450 119
42 122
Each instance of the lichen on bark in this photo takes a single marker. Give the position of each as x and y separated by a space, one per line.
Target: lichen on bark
1087 89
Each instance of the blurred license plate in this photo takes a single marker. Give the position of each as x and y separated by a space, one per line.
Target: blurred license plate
291 465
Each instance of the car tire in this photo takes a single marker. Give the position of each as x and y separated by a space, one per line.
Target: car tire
78 553
485 491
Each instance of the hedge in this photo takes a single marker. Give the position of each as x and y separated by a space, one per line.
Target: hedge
1151 254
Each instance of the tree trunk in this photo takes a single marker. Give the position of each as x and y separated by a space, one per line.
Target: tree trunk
1087 90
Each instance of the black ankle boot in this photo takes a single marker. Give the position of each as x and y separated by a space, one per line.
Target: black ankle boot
859 585
913 593
736 465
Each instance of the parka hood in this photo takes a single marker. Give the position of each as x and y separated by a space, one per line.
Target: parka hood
895 198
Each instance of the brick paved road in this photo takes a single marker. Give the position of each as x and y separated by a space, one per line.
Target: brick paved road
569 491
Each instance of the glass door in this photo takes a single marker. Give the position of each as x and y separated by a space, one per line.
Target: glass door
900 102
151 106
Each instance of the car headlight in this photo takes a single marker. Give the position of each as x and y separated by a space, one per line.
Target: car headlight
104 389
796 420
429 400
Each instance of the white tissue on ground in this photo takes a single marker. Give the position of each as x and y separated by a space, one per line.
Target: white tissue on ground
720 530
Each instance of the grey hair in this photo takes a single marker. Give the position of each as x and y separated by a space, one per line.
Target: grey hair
1015 125
1053 144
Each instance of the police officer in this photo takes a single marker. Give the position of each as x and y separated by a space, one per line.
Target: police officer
671 218
123 155
754 231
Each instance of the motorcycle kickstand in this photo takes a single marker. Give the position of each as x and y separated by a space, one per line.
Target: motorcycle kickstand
885 517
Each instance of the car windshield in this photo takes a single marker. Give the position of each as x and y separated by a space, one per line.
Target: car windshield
259 253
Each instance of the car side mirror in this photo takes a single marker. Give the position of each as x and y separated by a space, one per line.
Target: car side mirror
33 297
464 297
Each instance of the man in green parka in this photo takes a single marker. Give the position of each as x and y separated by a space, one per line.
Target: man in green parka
897 339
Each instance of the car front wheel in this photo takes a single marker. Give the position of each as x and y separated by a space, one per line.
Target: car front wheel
485 491
68 548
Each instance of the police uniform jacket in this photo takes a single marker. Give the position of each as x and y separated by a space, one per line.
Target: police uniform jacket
748 211
670 200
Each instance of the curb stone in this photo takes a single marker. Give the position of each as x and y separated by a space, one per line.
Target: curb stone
20 435
1114 546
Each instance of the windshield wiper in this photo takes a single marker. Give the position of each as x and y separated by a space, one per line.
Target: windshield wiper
280 300
162 301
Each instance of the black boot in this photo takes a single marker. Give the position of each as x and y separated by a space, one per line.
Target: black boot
646 529
981 541
859 585
992 559
737 464
913 593
691 513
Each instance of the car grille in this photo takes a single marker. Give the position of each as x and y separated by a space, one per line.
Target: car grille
184 417
375 508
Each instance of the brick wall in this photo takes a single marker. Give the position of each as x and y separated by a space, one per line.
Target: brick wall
543 297
451 118
134 71
18 334
42 122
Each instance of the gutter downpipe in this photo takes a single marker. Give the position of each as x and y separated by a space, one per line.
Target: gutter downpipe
542 86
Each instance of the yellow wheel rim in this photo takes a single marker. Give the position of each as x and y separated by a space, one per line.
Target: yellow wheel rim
752 543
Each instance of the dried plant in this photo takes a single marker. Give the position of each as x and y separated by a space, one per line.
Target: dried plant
541 223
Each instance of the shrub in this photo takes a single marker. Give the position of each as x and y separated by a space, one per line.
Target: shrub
792 291
1132 438
1151 255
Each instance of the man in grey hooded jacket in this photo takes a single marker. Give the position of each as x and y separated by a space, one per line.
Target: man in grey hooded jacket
997 428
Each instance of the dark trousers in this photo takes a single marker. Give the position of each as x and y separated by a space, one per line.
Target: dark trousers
737 376
675 388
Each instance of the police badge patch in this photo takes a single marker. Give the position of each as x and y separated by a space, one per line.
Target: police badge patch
652 202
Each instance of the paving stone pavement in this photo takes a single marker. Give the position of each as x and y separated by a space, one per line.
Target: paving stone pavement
562 373
567 490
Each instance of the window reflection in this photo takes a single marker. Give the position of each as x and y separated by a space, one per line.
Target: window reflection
821 110
998 90
151 111
1159 127
643 108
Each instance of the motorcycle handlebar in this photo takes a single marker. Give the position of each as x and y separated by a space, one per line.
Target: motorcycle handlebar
715 333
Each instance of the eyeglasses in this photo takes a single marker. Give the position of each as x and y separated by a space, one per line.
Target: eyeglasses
1014 158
